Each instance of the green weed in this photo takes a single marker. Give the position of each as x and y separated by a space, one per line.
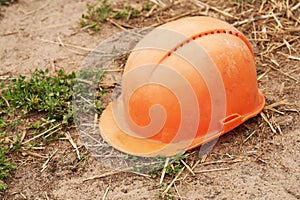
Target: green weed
99 13
5 167
96 14
147 6
44 99
41 93
127 13
89 90
5 3
172 168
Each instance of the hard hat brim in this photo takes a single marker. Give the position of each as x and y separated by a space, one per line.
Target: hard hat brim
144 147
115 137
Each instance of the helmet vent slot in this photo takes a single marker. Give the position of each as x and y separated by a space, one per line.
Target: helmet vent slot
207 33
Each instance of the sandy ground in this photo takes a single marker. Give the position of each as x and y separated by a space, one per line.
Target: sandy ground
29 29
269 169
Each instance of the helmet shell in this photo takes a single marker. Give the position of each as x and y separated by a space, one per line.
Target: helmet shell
185 83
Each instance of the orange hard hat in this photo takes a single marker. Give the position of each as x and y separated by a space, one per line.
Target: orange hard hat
186 82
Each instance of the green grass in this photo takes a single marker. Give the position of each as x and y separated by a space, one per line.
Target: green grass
103 11
126 13
5 167
96 14
5 3
41 93
43 98
174 165
87 90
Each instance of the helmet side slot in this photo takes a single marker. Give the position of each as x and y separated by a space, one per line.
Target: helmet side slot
232 121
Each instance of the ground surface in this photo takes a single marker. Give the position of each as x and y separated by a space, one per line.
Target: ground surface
267 165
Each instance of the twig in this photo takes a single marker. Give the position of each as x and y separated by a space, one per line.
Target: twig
54 26
38 148
295 7
122 28
263 161
281 45
40 8
74 46
95 122
43 133
47 161
253 19
174 18
46 195
260 159
196 164
158 2
117 25
161 9
277 111
262 6
23 136
4 76
113 70
177 191
151 11
262 75
89 101
83 133
278 127
9 33
23 195
294 57
288 46
68 136
69 49
105 194
60 42
278 103
52 132
292 110
35 154
212 170
221 161
141 174
291 30
277 20
249 137
193 167
108 174
164 171
204 157
188 167
5 100
85 81
286 74
172 182
268 122
199 3
229 156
